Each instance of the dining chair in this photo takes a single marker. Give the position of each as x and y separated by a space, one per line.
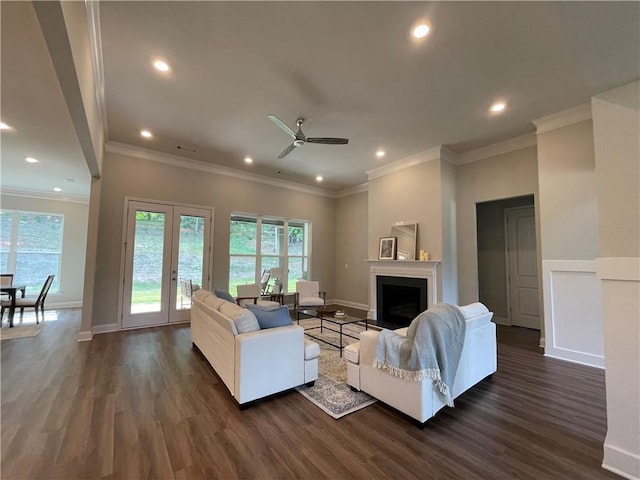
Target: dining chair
5 279
31 302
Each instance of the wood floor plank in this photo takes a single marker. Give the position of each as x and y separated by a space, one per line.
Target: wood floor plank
144 404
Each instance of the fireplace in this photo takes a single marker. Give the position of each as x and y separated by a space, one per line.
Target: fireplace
399 300
403 270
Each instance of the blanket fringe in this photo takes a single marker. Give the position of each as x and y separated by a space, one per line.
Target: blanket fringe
418 375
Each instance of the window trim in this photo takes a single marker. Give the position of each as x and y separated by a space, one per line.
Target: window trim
284 256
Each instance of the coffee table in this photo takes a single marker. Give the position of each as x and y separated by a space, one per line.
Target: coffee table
339 322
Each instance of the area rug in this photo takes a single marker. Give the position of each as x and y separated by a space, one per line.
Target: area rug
19 331
330 392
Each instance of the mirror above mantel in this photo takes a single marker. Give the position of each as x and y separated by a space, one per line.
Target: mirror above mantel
407 235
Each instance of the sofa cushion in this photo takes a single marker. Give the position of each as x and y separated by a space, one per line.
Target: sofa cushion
201 294
224 295
244 320
271 317
214 302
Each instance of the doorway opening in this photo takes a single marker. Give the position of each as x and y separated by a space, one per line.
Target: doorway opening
507 260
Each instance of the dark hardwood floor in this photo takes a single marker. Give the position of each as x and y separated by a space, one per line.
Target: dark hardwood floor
144 404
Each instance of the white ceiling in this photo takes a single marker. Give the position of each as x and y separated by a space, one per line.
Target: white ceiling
349 68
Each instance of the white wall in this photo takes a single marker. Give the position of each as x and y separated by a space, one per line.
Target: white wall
616 121
129 176
569 242
352 272
71 278
501 176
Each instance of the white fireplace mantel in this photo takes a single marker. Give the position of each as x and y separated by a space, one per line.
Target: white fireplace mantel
403 268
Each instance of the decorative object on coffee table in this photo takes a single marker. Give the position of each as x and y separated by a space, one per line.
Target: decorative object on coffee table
326 311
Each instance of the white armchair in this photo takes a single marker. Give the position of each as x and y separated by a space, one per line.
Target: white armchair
250 293
308 295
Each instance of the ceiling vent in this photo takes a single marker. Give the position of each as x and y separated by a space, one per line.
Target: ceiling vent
184 148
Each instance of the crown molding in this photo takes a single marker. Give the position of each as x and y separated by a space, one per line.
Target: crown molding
499 148
563 118
176 161
363 187
434 153
44 195
95 40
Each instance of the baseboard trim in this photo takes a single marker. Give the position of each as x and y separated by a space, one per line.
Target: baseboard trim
60 305
621 462
85 336
347 303
575 357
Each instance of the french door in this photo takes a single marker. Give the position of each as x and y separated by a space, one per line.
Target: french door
164 244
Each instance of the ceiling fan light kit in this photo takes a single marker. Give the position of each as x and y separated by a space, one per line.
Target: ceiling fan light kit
300 139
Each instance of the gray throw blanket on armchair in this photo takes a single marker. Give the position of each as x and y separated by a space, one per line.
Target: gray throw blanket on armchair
431 349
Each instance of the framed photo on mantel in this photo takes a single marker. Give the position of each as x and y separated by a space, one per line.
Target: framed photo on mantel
388 246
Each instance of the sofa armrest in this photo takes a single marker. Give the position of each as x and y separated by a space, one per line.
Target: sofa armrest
268 361
368 340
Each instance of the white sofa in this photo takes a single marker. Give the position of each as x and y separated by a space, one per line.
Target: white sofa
421 400
254 364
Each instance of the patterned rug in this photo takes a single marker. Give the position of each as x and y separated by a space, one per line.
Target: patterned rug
330 392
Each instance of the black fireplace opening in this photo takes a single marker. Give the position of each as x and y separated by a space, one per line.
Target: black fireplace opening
399 300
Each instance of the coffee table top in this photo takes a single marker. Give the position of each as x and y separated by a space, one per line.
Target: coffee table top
313 313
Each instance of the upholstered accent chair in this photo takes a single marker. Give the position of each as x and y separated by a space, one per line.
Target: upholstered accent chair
252 293
308 295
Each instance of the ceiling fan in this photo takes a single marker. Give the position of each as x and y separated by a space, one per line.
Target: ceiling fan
300 139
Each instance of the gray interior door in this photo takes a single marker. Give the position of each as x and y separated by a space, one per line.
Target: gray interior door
524 307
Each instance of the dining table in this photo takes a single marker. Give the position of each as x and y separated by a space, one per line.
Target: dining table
12 291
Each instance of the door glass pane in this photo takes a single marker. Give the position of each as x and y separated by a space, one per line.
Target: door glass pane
148 250
190 256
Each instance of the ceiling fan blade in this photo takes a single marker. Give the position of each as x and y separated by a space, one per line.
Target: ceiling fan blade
329 140
287 150
282 125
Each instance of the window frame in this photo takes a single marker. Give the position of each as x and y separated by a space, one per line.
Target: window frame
13 251
283 256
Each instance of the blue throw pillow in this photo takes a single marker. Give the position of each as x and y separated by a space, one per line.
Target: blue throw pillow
223 294
271 317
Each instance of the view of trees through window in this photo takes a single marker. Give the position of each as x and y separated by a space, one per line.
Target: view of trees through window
31 247
258 243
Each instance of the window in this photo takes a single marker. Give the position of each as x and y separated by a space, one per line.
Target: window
31 247
260 243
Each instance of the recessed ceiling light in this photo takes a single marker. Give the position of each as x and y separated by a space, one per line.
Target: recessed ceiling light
4 126
161 65
248 160
498 107
57 189
31 160
380 153
319 178
146 133
420 31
